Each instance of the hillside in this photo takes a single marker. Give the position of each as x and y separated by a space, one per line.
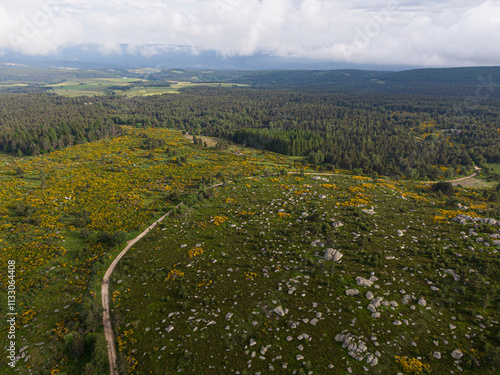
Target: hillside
66 214
313 274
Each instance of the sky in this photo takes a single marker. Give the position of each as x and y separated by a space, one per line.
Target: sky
434 33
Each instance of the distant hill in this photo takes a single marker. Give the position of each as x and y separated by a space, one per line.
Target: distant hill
480 82
445 82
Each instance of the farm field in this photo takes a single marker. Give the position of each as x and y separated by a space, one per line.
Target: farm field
64 215
101 86
304 274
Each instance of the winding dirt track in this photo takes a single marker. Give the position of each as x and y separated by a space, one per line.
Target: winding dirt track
108 329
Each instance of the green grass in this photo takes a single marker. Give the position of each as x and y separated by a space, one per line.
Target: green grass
49 280
99 86
254 238
495 167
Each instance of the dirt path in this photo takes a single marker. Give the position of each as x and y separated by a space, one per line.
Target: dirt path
458 179
108 329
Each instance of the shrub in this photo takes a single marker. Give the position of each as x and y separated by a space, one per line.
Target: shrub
444 187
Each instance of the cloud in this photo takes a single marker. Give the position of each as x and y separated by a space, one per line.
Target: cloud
415 32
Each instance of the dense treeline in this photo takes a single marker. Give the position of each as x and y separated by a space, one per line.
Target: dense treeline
386 134
31 124
467 82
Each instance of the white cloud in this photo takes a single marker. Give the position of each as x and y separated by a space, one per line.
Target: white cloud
416 32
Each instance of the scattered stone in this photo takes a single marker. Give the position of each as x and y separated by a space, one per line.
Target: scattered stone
352 292
332 254
361 281
422 301
457 354
279 311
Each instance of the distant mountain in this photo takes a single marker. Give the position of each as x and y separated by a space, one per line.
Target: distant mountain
173 56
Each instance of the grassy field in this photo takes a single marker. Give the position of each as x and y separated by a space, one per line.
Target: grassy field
61 214
101 86
238 283
495 167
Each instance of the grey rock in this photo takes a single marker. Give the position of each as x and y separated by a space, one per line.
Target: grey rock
279 311
457 354
332 254
352 292
361 281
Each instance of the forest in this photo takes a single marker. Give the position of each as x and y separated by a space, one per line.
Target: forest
385 134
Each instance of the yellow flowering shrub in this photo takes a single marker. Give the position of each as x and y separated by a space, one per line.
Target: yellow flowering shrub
195 251
218 220
250 275
174 274
412 365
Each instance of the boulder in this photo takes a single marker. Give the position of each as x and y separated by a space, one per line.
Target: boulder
279 311
361 281
332 254
457 354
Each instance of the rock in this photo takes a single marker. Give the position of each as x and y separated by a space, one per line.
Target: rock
169 328
340 337
352 292
369 296
279 311
422 301
229 315
374 361
252 342
400 233
457 354
452 273
371 308
332 254
368 212
397 323
299 357
361 281
376 315
406 299
377 301
313 321
337 255
337 224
